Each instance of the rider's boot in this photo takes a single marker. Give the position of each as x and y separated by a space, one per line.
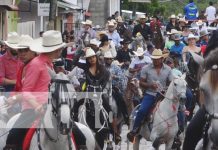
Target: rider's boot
11 147
131 135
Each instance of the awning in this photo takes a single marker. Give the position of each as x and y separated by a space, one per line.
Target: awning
69 6
10 7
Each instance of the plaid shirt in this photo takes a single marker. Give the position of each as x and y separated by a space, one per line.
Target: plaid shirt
118 78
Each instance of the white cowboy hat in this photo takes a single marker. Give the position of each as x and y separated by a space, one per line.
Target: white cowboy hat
119 19
203 33
117 63
50 41
174 31
88 22
172 16
95 42
199 23
89 52
111 23
183 20
108 54
13 40
192 36
25 41
142 17
139 52
157 54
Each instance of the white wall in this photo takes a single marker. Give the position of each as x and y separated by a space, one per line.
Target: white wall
115 6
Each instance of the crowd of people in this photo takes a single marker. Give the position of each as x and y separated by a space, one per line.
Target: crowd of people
104 61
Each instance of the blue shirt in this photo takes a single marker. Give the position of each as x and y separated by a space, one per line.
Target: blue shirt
115 38
177 48
190 11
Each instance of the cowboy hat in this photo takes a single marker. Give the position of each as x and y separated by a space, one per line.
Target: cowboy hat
88 22
119 19
142 17
95 42
192 36
50 41
111 23
183 20
177 37
13 40
172 17
89 52
174 31
139 52
157 54
199 23
117 63
25 41
203 33
108 54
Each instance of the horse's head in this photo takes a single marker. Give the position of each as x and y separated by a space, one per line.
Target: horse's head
209 87
61 93
179 88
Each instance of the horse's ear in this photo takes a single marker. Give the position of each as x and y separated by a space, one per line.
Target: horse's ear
197 58
183 76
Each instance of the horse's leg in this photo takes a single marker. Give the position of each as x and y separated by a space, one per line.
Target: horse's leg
169 144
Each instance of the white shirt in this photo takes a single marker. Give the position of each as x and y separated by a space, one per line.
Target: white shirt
139 63
211 14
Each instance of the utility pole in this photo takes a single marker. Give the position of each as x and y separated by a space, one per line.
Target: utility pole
52 14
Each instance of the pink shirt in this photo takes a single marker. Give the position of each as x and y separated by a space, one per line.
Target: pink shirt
9 66
35 81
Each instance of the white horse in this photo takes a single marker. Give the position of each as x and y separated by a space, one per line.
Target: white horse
165 125
208 86
55 128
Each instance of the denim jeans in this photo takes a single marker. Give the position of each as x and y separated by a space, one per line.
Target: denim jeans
146 104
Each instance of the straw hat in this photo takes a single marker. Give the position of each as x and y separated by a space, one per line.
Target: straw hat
88 22
203 33
142 17
13 40
108 54
172 16
50 41
139 52
89 52
95 42
111 23
157 54
192 36
183 20
199 23
117 63
25 41
119 19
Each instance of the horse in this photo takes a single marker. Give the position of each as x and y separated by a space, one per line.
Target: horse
164 126
54 130
208 85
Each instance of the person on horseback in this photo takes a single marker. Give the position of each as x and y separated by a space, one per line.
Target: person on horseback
138 62
119 82
153 76
113 35
97 80
34 88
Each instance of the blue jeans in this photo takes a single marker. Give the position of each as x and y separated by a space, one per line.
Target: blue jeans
146 104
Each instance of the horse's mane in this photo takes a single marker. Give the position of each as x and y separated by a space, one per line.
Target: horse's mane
210 61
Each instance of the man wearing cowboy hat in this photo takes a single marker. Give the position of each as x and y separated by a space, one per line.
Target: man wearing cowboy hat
173 24
153 77
143 28
123 53
87 29
138 62
176 49
122 29
9 62
112 34
35 85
